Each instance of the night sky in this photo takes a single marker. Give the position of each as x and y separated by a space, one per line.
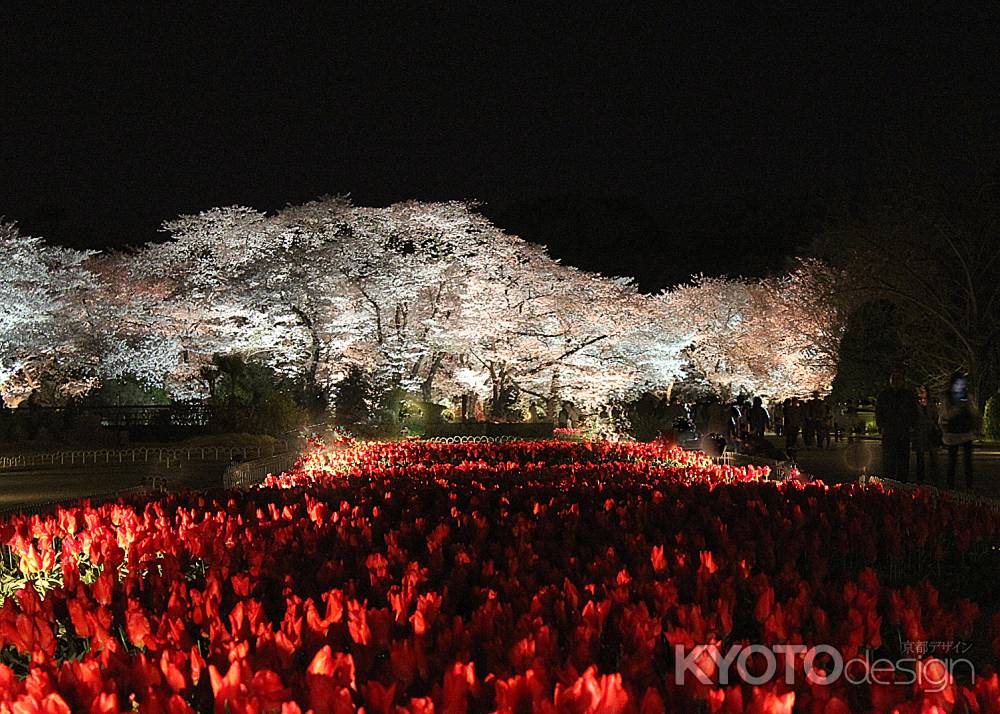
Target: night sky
710 141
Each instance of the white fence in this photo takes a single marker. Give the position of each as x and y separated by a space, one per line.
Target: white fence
39 507
168 456
472 439
237 476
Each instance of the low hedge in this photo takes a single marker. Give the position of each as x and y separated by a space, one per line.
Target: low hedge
991 419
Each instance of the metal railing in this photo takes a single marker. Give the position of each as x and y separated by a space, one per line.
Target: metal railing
40 507
248 474
916 562
963 497
780 470
120 416
237 476
169 456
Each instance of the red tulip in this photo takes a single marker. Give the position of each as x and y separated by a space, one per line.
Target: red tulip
591 694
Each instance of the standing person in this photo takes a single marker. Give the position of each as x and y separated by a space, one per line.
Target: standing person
825 425
733 417
759 418
812 421
703 416
958 426
715 422
793 422
838 422
675 410
895 416
926 435
807 425
744 420
777 418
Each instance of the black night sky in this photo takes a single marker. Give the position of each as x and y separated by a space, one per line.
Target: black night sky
655 145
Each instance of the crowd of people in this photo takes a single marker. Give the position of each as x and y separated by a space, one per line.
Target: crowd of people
743 424
907 419
915 420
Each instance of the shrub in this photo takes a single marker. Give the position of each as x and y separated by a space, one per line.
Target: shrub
251 397
646 418
127 390
353 397
991 419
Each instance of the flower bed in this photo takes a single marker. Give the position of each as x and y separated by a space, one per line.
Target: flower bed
476 577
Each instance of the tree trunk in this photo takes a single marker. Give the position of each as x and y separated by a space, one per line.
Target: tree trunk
501 391
427 386
553 402
312 363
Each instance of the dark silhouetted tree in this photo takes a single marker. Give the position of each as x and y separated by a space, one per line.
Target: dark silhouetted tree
353 397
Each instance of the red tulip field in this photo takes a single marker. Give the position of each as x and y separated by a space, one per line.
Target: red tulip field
525 576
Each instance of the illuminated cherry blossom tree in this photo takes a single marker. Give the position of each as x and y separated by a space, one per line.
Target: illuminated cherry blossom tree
715 312
136 333
430 298
803 316
435 300
776 336
564 334
231 281
43 323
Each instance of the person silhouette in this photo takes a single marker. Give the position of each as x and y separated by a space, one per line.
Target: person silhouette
926 435
958 419
759 418
895 416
